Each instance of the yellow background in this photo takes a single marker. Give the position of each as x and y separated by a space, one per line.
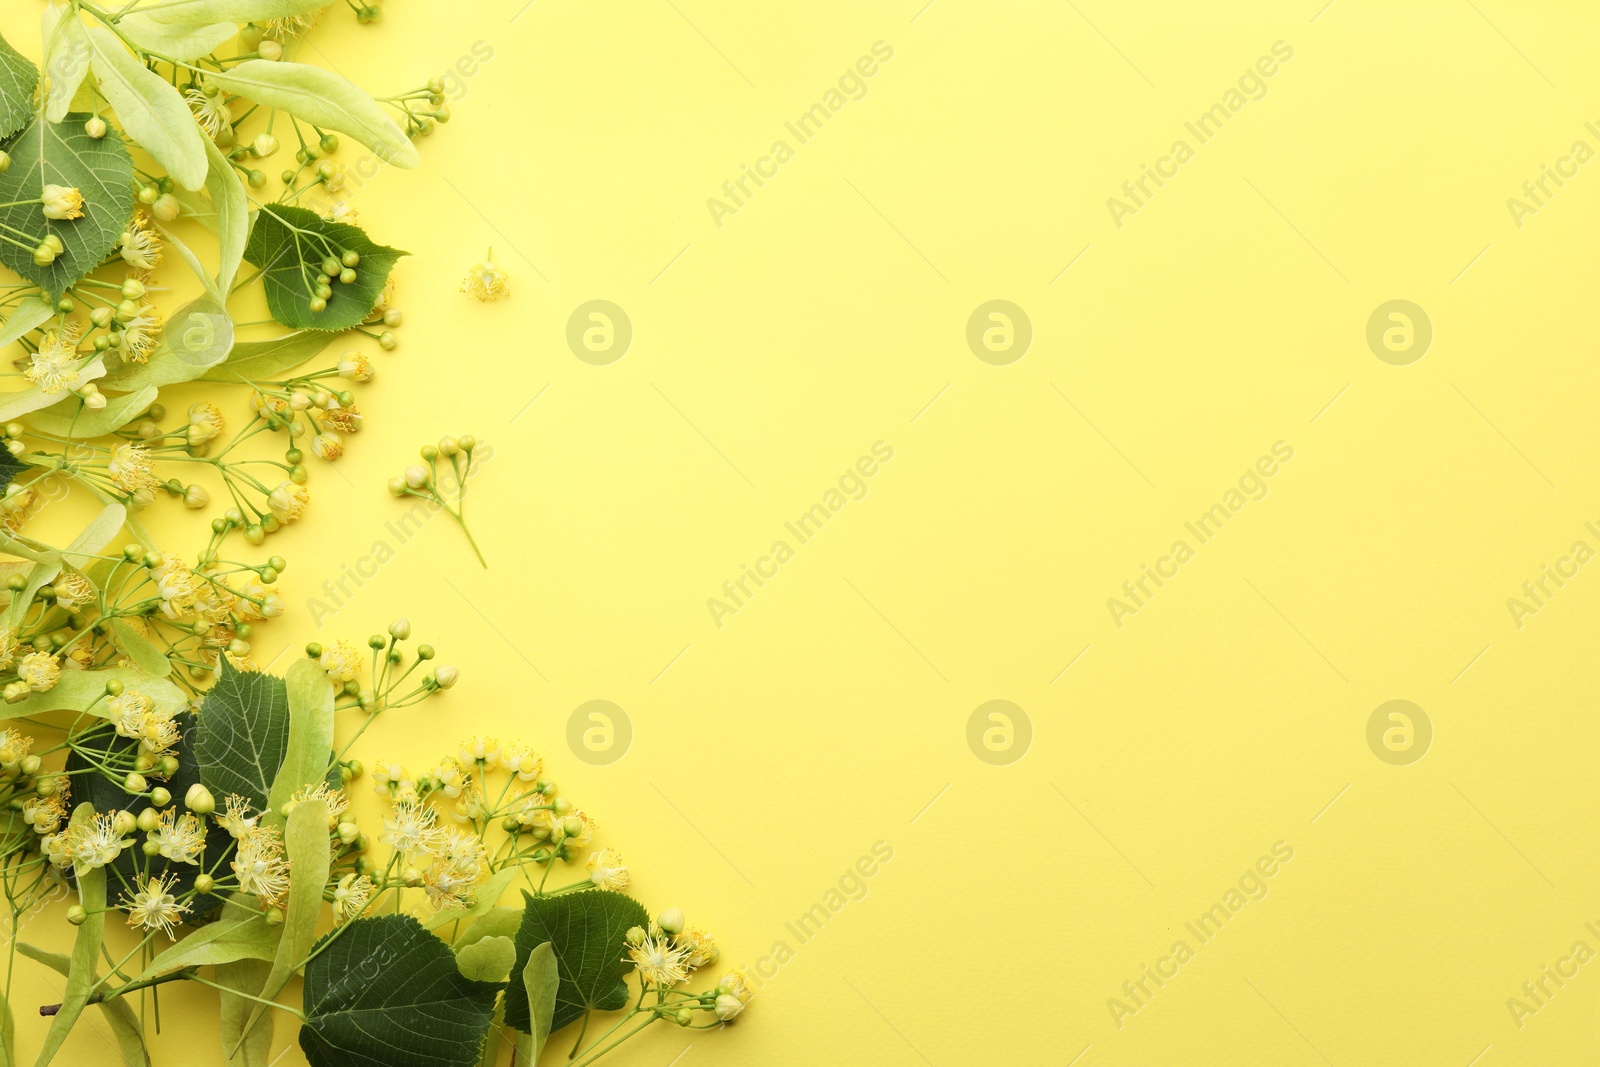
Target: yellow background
831 711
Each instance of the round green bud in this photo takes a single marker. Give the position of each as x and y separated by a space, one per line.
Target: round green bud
199 800
160 797
148 820
313 650
135 782
278 563
151 847
77 915
204 883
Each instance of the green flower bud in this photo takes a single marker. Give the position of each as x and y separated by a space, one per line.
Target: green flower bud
160 797
204 883
199 800
77 915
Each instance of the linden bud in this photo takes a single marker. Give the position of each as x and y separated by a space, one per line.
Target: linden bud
151 847
397 486
30 765
400 629
445 675
416 476
204 883
135 783
77 915
411 877
274 916
671 920
123 823
635 935
95 127
199 800
270 50
264 145
148 820
195 496
166 208
160 797
684 1017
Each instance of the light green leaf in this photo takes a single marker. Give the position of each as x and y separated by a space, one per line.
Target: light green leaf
18 79
232 217
241 1047
488 959
243 734
383 992
223 941
200 12
588 933
66 51
323 99
124 1023
289 244
306 760
496 922
85 950
181 41
196 337
29 315
33 398
69 418
305 839
82 691
94 537
541 978
260 361
485 898
146 656
150 109
63 153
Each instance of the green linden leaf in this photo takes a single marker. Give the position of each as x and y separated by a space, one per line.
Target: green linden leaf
62 153
588 933
289 244
243 735
10 467
18 79
381 991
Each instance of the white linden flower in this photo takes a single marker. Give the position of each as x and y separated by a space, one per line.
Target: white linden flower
94 842
288 502
486 749
141 245
342 661
54 366
350 896
485 281
180 838
659 961
607 871
129 467
522 761
211 110
62 202
140 333
356 367
234 818
412 829
39 670
260 865
154 907
205 422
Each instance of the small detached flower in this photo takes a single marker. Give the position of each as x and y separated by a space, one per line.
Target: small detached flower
485 281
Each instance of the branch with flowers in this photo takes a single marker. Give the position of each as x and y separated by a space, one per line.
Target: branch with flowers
193 807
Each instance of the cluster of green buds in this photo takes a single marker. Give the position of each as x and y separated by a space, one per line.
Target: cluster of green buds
446 489
423 108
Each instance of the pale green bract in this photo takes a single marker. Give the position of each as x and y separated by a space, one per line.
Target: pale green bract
323 99
175 40
201 12
150 109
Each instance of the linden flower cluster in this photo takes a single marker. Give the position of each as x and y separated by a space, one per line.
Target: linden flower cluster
445 489
666 953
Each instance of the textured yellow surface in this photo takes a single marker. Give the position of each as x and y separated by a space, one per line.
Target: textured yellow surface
1177 753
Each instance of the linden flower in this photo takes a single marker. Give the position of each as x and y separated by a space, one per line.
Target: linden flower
140 244
178 587
8 647
327 446
356 367
701 946
39 671
450 777
129 467
522 761
342 661
463 851
607 871
45 814
485 281
211 110
94 842
260 865
62 202
350 896
485 750
287 27
154 907
342 212
659 961
180 838
288 502
73 590
13 746
340 419
385 299
140 333
412 829
205 422
334 798
733 993
233 818
55 365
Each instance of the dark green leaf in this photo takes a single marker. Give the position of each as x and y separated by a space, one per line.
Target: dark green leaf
64 154
588 933
386 993
10 467
289 244
18 79
243 734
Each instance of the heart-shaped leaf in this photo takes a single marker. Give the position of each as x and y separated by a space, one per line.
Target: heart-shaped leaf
588 933
243 734
289 244
62 153
18 79
383 992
